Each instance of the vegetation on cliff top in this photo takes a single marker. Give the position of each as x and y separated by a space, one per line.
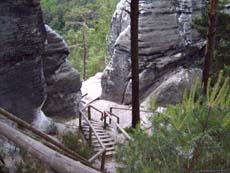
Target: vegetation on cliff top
76 19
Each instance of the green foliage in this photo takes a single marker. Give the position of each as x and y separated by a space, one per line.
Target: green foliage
74 142
29 164
222 52
193 136
73 17
3 167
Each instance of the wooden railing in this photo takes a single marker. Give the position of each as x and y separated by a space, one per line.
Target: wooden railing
92 131
46 140
109 115
103 117
126 109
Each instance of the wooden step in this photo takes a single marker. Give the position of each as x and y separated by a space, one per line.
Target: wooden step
99 134
95 127
94 124
101 137
94 137
110 153
105 144
107 149
97 130
104 140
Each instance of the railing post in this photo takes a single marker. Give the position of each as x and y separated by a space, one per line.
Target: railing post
103 161
90 136
102 116
105 120
89 113
111 110
80 119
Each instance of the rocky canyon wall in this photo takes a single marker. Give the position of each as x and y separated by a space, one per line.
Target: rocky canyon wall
35 72
167 44
22 35
63 81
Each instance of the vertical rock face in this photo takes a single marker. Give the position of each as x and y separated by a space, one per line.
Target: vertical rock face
166 42
63 81
22 37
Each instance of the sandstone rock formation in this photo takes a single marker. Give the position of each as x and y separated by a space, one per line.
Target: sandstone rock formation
167 42
63 81
171 90
22 35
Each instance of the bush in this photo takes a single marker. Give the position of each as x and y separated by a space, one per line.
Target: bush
193 136
3 167
28 164
74 142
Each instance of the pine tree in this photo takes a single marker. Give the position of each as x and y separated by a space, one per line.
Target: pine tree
221 56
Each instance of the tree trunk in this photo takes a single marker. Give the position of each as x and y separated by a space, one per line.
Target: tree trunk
56 161
135 64
84 50
210 45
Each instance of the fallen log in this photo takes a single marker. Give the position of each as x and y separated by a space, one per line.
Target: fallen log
58 145
56 161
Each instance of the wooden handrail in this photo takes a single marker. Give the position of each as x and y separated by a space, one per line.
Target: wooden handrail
107 114
127 109
112 114
90 106
25 125
91 126
96 155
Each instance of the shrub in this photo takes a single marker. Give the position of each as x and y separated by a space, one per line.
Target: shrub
193 136
74 142
28 164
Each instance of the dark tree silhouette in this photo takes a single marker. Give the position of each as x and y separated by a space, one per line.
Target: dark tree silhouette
210 45
134 61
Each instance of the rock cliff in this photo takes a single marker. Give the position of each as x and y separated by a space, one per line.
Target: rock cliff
34 66
22 35
63 81
167 43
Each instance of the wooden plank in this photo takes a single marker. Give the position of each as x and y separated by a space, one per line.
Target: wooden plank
97 130
96 126
98 134
106 144
104 140
109 153
107 149
101 137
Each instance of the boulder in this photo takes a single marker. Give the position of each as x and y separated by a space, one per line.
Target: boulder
22 38
63 81
166 43
171 90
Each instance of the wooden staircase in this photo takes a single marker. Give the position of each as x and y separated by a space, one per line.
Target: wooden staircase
104 136
96 132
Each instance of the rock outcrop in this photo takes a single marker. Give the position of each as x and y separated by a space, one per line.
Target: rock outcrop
167 42
22 38
171 90
63 81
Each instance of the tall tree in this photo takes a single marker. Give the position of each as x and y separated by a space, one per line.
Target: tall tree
210 45
135 64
